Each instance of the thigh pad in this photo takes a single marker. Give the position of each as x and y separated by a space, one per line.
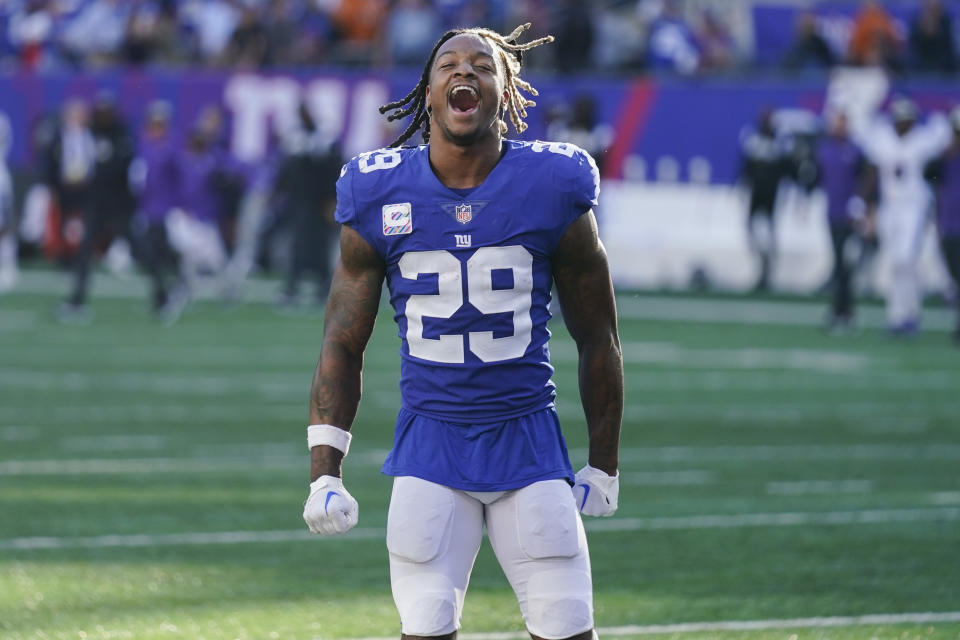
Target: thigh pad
418 523
547 520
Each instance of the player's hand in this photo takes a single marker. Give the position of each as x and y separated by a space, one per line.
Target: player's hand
329 509
596 492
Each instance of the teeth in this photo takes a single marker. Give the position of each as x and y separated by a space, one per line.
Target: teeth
463 87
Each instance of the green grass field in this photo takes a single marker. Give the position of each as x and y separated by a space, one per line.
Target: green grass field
776 482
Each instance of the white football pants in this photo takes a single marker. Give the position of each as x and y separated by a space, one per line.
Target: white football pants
434 534
900 229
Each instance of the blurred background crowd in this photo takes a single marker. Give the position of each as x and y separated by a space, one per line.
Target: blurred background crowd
201 139
673 36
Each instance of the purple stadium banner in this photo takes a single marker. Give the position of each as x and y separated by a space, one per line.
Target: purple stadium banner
687 122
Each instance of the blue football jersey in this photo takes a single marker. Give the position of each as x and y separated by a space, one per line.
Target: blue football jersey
469 272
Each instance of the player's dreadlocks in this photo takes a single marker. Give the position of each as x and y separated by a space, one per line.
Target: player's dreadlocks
511 57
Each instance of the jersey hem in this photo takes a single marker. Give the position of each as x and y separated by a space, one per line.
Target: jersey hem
475 418
556 474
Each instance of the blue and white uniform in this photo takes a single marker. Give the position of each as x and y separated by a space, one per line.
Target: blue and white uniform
470 275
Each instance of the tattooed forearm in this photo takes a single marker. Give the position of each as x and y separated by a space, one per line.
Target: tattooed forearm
589 310
351 312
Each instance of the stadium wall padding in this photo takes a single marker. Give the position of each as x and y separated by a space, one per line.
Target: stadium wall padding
691 124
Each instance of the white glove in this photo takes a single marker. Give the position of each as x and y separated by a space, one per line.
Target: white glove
329 509
596 493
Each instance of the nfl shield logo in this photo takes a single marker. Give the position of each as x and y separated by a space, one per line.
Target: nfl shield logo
464 213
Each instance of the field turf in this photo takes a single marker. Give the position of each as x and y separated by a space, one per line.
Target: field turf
776 482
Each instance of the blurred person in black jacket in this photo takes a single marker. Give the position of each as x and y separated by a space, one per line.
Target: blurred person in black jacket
765 163
110 204
307 180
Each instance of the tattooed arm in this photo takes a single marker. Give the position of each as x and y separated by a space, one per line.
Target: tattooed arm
585 292
351 311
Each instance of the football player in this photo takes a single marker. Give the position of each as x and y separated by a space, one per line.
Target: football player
471 231
900 151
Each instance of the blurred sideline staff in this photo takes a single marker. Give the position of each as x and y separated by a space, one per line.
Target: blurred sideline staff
765 163
107 206
156 178
306 184
844 177
944 174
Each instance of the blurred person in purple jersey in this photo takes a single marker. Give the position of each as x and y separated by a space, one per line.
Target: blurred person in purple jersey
944 173
840 173
156 174
211 184
471 231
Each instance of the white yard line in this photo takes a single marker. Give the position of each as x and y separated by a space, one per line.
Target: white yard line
110 466
678 523
375 457
819 487
678 478
737 625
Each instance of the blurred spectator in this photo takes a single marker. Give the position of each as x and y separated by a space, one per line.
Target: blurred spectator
574 30
152 33
30 31
875 40
110 204
716 43
213 21
411 30
932 47
359 25
945 175
307 183
8 221
671 43
96 34
764 165
840 170
249 44
619 43
156 175
810 50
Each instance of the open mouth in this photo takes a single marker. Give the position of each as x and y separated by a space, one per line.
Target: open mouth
463 99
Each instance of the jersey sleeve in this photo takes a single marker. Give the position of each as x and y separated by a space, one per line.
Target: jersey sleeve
346 212
583 182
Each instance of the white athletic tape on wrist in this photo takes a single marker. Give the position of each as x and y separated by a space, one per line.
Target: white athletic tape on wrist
329 435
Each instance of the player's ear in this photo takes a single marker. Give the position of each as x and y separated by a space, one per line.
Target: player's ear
426 100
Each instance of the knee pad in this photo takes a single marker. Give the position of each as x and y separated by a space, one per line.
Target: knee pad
547 520
427 603
418 522
559 603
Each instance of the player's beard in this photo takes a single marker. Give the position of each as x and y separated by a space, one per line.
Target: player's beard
474 136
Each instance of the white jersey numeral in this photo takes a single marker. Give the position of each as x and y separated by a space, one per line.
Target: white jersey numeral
480 293
443 304
562 148
488 300
376 160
